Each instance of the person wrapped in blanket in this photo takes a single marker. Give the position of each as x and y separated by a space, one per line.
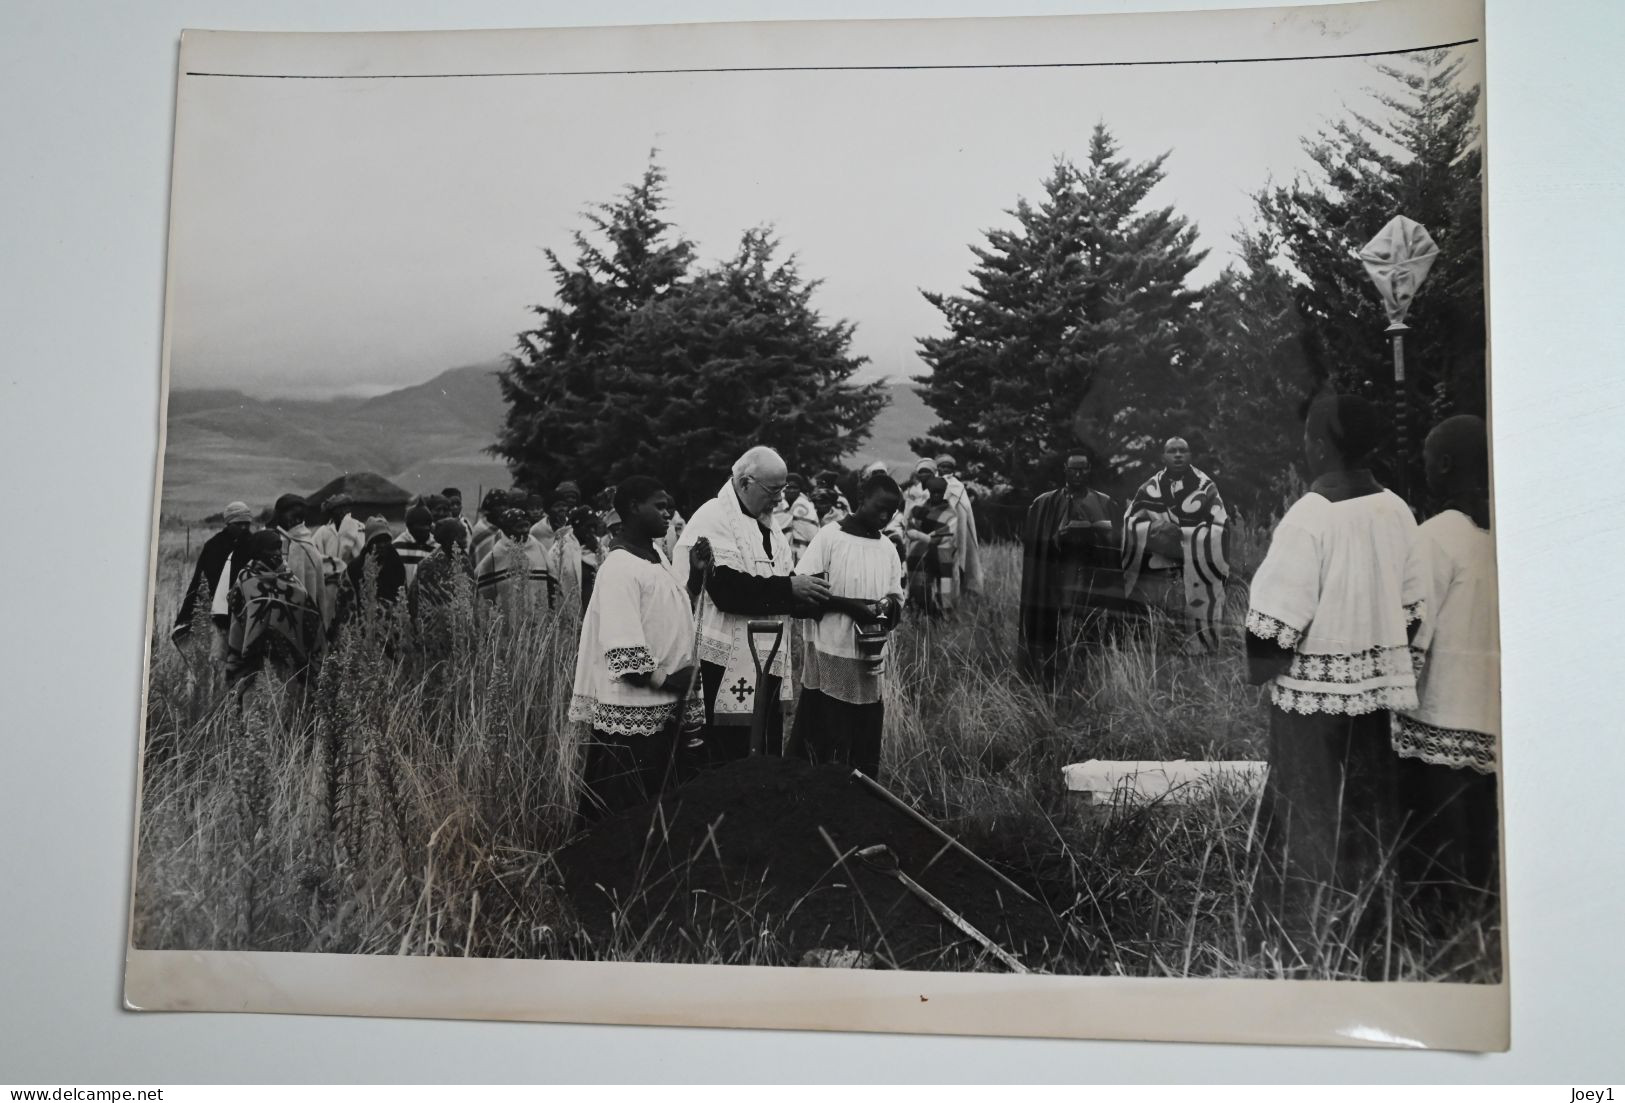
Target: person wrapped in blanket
828 501
213 561
1448 745
554 525
300 556
339 541
454 508
798 517
417 543
436 585
967 568
274 622
375 579
841 715
514 571
635 661
578 547
1332 609
489 525
1175 546
1070 581
931 532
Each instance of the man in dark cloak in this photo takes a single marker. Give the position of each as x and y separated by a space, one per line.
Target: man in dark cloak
211 564
1070 579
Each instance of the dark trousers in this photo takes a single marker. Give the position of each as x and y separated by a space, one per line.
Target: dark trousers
1329 816
729 742
1453 830
623 772
831 731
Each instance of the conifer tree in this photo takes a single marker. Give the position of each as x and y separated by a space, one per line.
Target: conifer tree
1253 381
1421 159
1077 329
651 364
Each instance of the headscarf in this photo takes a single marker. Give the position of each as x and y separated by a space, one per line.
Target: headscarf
238 513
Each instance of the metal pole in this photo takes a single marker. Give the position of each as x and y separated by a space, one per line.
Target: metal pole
1402 480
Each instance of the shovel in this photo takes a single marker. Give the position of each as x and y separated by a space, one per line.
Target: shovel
882 859
761 707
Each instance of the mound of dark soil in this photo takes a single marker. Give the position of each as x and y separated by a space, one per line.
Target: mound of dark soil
731 867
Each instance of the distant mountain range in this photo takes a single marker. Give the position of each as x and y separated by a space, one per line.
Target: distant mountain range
225 445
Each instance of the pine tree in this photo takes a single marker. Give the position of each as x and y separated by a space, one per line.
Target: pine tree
1423 161
1077 330
1253 379
743 358
559 383
649 364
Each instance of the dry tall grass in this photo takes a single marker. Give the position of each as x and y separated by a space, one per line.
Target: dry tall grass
403 805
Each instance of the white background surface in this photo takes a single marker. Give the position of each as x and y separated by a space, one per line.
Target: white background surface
84 158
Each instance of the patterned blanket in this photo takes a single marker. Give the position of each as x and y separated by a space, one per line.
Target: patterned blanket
1193 504
273 618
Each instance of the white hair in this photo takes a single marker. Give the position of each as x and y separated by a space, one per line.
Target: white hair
755 459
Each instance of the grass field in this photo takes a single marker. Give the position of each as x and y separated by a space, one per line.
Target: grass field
409 807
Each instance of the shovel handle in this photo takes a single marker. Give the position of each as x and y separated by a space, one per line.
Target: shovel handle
761 706
754 628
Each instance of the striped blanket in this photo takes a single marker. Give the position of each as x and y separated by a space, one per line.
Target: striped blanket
513 567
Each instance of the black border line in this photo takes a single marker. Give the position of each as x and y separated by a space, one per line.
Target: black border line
829 68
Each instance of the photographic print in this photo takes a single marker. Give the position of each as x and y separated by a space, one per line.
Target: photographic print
849 525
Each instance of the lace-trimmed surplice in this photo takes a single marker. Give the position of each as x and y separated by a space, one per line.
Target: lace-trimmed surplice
637 622
1340 586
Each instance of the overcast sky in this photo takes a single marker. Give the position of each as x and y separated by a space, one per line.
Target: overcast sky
354 236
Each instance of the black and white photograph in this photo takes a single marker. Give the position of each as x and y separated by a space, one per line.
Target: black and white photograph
1008 498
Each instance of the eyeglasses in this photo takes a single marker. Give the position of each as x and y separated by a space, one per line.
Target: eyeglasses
775 491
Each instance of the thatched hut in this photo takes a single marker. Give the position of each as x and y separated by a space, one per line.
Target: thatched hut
372 494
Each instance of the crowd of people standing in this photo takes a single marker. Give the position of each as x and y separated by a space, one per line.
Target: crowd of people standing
1373 635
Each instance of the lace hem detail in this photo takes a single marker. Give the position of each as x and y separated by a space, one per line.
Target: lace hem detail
841 678
1351 669
629 660
1457 748
1268 628
713 652
633 720
1309 702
